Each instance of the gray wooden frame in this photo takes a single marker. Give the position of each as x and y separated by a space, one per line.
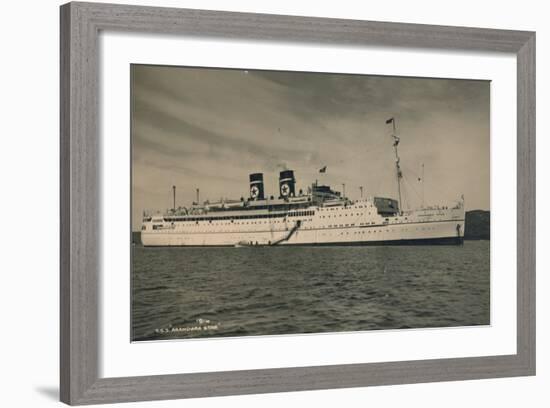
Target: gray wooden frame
80 191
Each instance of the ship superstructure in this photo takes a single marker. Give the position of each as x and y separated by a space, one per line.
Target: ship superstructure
319 216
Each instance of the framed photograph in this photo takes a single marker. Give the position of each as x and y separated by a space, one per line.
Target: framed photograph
260 203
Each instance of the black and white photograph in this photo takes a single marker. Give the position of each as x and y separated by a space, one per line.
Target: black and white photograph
271 202
275 204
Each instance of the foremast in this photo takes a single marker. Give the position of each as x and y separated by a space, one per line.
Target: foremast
399 173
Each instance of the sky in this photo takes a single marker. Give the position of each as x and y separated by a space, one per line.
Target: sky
210 128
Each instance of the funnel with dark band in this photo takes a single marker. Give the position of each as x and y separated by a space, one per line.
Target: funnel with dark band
257 186
287 184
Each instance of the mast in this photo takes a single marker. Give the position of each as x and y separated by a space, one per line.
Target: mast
422 181
174 198
399 173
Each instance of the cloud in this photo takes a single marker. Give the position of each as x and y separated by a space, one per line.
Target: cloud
210 128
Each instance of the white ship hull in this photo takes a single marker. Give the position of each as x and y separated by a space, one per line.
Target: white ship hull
322 216
356 224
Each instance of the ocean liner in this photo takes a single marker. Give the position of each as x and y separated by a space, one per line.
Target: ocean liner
319 216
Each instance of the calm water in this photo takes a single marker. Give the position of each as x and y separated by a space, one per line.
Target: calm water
205 292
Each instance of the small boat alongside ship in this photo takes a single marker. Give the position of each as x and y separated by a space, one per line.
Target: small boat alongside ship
319 216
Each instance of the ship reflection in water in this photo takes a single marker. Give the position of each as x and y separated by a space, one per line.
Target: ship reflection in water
221 292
